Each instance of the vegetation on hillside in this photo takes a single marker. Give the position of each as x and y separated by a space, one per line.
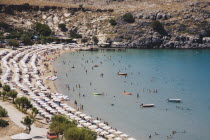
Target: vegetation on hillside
63 27
42 29
113 22
158 27
128 17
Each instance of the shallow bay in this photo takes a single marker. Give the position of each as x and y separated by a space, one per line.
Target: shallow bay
183 74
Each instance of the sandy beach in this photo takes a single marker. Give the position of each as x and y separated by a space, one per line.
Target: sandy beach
36 82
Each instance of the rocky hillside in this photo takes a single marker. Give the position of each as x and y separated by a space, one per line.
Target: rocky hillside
162 24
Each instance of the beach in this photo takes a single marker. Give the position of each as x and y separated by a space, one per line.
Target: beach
29 71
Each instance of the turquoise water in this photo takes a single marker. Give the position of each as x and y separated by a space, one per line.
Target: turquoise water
183 74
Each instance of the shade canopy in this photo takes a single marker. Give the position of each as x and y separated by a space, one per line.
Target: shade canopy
21 136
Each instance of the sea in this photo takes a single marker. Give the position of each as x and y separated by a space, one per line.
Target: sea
153 76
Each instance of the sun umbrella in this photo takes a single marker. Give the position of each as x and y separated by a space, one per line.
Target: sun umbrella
87 124
100 138
82 115
111 130
124 135
78 119
118 138
118 132
99 130
104 133
93 127
79 126
102 124
21 136
131 139
96 121
87 117
82 121
106 127
77 113
110 135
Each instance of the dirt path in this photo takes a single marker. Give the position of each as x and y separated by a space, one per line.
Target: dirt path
16 116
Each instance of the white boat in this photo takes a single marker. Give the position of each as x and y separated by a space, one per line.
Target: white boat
174 100
147 105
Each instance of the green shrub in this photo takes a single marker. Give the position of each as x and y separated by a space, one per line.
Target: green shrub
42 29
3 112
14 43
6 88
4 25
95 40
63 27
23 103
113 22
13 95
74 33
3 123
158 27
26 39
128 17
84 40
60 124
75 133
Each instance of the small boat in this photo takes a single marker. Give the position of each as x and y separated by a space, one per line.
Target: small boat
147 105
174 100
122 73
95 65
127 93
97 93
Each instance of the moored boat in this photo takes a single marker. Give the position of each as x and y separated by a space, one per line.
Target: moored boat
147 105
95 65
127 93
122 73
97 93
174 100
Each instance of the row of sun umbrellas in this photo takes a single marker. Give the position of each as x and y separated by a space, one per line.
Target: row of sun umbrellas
26 61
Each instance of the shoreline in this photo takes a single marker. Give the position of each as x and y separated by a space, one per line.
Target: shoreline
36 61
52 84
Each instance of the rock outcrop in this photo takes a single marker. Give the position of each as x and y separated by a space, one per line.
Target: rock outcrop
185 28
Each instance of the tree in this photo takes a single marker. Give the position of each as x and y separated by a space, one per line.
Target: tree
13 95
26 39
60 124
14 43
23 103
95 40
0 85
6 88
4 93
27 121
84 40
3 123
63 27
18 102
76 133
113 22
158 27
3 112
34 112
42 29
128 17
73 33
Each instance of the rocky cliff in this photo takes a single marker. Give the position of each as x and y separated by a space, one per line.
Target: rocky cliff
186 27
